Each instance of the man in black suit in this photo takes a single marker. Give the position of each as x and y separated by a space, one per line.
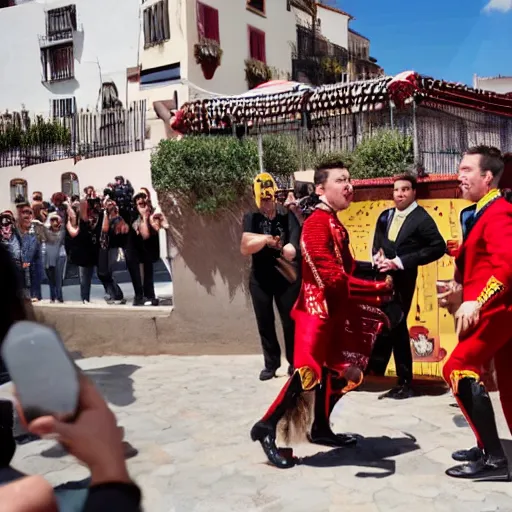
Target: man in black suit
405 238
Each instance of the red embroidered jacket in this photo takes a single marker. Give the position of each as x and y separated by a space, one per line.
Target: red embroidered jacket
328 267
484 260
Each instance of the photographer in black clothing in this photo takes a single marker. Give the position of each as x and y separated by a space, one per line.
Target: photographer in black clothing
271 235
122 194
114 232
143 249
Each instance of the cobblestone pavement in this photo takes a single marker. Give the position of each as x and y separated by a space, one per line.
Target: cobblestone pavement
190 417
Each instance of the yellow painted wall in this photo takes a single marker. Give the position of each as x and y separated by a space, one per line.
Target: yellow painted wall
360 220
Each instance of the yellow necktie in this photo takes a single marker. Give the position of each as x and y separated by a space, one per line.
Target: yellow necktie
396 224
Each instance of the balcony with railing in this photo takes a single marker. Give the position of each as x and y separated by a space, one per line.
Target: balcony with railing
60 26
317 60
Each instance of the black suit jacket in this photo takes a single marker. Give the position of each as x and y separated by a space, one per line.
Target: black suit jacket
418 243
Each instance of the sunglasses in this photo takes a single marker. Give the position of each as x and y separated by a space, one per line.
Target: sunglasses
27 212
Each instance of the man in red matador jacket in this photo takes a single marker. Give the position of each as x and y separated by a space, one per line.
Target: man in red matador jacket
337 318
481 295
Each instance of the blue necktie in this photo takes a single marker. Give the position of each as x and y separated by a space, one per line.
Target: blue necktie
468 219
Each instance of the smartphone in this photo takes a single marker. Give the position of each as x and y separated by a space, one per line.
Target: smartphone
44 374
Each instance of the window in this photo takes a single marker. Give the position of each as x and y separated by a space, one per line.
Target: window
161 74
257 44
58 63
207 22
19 191
70 184
63 107
156 24
60 23
256 5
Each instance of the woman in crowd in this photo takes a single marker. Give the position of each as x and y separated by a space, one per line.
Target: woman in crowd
84 246
55 257
31 251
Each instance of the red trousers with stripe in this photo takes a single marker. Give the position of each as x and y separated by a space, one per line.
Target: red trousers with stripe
491 338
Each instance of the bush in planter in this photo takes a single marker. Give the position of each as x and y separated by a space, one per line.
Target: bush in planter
385 153
280 155
211 172
332 70
256 73
208 55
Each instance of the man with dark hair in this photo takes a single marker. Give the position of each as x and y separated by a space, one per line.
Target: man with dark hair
336 323
405 237
481 295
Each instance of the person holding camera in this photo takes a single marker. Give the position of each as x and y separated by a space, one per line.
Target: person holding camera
271 236
143 249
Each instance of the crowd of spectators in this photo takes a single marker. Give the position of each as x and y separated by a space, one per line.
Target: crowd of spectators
94 231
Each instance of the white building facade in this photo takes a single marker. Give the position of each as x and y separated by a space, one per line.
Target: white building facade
333 24
60 52
499 84
264 30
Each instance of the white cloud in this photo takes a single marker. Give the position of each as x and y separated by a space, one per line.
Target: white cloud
498 5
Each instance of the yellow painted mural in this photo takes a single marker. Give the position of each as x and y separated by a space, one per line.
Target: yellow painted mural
432 330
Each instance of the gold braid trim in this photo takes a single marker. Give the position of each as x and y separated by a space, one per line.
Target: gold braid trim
309 261
492 288
308 378
457 375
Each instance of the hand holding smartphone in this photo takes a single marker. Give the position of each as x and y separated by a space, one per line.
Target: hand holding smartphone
44 375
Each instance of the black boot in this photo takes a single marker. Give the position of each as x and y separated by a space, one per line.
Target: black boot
264 430
471 455
493 465
326 397
399 392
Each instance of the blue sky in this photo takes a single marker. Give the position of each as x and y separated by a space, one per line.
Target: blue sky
448 39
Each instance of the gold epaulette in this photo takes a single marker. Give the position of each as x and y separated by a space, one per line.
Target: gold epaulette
492 288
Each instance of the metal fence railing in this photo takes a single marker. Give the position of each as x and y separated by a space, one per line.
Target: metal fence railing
440 135
86 134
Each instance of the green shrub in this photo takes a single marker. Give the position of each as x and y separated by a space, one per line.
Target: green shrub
38 133
212 172
385 153
280 154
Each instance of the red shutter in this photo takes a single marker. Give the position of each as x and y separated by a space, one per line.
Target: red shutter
207 22
252 44
257 45
262 50
201 18
212 23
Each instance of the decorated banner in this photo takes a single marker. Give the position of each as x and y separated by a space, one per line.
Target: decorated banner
431 329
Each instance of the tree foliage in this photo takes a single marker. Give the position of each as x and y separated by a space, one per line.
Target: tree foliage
385 153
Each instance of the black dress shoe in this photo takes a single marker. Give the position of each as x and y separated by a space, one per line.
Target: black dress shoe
267 374
490 469
26 438
280 458
398 393
471 455
331 439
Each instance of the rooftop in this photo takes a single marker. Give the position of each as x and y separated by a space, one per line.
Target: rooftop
334 9
497 77
357 34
